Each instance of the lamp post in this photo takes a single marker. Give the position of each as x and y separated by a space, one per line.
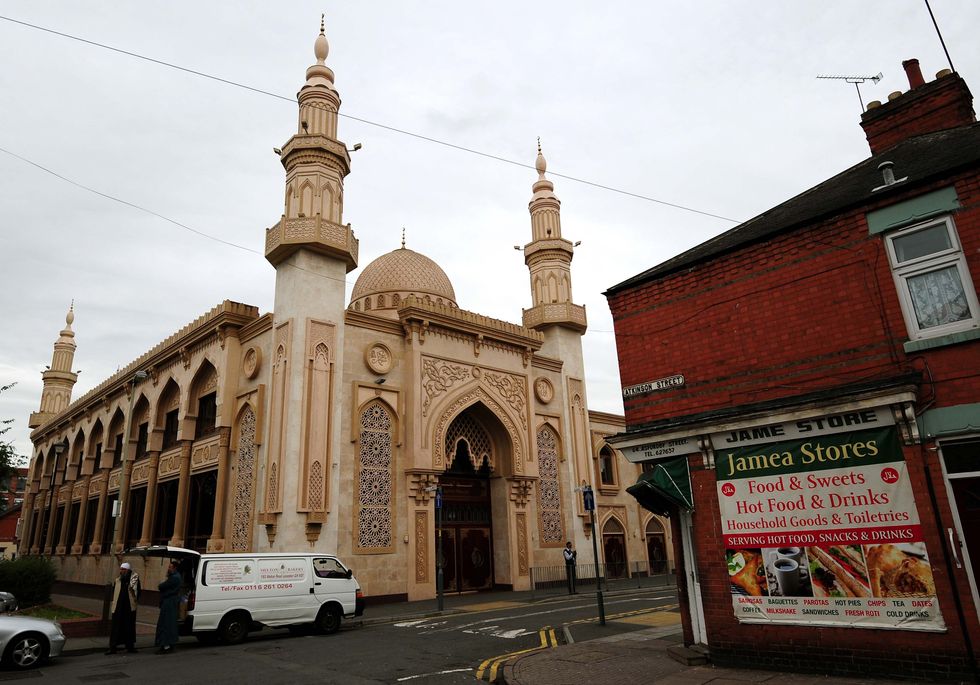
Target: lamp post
127 466
440 594
588 500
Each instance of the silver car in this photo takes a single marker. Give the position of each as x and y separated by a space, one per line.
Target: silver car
25 642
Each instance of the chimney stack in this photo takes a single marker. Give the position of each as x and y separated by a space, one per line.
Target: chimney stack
925 108
912 70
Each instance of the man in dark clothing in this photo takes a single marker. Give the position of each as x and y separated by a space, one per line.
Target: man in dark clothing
169 588
125 596
570 557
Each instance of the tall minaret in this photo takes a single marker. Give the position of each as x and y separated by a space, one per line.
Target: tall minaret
59 379
312 251
549 258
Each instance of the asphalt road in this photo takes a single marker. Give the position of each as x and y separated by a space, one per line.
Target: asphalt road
443 650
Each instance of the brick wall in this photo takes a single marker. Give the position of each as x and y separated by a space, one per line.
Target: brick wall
810 310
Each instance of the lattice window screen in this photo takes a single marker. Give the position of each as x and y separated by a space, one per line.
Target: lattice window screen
549 490
375 474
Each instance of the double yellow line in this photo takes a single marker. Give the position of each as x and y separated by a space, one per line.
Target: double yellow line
548 640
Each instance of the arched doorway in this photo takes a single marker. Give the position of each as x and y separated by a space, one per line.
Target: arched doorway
467 530
614 549
656 546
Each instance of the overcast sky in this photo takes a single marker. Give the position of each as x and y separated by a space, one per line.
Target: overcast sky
710 105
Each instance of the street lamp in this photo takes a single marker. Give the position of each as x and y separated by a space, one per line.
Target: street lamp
439 565
126 474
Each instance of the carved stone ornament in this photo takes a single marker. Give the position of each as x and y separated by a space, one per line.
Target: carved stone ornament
544 390
252 362
378 358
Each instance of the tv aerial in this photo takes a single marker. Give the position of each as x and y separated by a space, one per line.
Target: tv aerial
856 80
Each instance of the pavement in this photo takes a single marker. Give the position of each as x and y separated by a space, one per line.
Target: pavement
632 649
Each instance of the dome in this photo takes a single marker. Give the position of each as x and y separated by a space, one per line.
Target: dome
390 278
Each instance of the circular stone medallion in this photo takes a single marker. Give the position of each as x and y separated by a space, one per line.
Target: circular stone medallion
544 390
378 358
251 362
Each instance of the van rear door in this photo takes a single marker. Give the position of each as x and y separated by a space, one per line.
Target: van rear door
188 565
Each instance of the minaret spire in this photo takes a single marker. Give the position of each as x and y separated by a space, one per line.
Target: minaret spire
58 379
316 164
549 257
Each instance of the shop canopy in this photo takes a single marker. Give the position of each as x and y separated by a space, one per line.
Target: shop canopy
667 486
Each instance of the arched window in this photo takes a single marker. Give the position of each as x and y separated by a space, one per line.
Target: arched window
614 549
656 546
607 466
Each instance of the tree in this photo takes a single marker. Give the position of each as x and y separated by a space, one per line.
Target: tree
9 459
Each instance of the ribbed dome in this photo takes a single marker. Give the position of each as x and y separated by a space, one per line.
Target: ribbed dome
400 273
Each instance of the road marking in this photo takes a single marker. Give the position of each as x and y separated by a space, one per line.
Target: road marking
493 631
660 618
426 675
548 640
613 617
490 606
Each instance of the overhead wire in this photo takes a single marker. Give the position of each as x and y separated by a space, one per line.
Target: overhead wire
387 127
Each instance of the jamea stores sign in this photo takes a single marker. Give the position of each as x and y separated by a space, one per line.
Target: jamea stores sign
824 529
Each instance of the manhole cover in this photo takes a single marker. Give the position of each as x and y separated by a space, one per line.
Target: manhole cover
102 677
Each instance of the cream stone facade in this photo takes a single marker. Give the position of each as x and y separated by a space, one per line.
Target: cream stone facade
328 426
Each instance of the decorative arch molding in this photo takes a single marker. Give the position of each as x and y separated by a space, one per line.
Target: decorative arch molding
453 407
612 516
653 518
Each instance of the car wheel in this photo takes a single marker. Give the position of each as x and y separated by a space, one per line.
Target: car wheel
328 620
26 651
234 628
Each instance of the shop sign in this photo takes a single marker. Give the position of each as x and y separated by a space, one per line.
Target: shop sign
660 449
824 530
858 419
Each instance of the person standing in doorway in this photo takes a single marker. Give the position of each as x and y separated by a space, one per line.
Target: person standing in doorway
570 556
169 588
125 596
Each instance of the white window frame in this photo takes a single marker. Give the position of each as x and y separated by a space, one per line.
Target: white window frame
953 256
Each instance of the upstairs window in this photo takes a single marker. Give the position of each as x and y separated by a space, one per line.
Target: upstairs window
607 466
934 285
207 414
170 426
117 455
141 439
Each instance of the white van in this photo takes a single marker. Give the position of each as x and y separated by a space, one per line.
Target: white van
227 595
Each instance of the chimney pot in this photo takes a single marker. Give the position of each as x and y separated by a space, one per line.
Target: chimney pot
874 104
894 95
914 73
942 73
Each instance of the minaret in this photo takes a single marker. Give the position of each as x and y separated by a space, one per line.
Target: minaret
316 164
312 251
549 258
59 379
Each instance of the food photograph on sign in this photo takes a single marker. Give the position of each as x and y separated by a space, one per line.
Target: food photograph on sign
825 529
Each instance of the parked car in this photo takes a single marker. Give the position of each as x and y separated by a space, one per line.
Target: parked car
26 642
7 602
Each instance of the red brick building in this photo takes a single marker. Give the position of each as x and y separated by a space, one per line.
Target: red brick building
810 383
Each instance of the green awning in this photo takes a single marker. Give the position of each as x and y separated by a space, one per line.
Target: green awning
664 488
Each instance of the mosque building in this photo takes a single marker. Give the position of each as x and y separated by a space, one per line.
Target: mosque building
327 425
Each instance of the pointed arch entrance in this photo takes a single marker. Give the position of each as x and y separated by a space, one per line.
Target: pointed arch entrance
475 443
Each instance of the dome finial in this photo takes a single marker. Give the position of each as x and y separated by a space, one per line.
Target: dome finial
540 163
322 16
70 317
403 237
320 47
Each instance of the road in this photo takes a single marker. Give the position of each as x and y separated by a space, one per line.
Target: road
444 650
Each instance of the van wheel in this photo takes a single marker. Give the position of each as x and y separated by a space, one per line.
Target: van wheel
328 620
234 628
